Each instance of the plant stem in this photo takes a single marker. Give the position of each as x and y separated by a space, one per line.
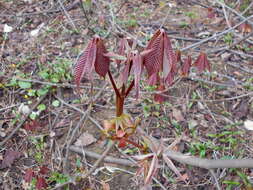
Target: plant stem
113 84
133 143
119 105
129 88
123 90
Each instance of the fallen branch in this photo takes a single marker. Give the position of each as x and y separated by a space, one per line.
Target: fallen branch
209 163
108 159
202 162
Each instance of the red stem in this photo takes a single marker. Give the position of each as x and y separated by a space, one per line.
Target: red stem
123 89
119 105
133 143
129 88
113 84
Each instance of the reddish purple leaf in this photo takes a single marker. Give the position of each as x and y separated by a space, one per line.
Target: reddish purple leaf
85 62
102 62
153 61
41 183
185 69
169 63
29 175
202 63
125 73
9 157
122 47
153 79
161 58
137 69
32 125
44 170
93 58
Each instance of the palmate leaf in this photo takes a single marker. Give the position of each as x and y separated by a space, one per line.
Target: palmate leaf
153 61
102 62
185 69
169 61
92 59
137 69
85 62
161 59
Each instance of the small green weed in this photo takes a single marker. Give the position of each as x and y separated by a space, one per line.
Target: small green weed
59 178
39 144
228 38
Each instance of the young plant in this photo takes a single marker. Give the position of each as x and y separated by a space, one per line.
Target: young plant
158 60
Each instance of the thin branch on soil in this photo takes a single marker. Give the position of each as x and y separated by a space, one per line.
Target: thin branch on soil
67 15
79 110
216 35
209 163
202 162
240 53
248 8
83 176
211 82
208 110
82 120
52 84
222 49
105 153
108 159
80 123
84 12
247 70
226 16
22 121
69 105
8 107
71 6
214 100
234 11
95 122
215 179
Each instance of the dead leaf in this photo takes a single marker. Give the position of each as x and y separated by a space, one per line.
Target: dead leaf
85 139
29 175
9 157
245 28
105 186
44 170
248 124
7 28
41 183
177 114
242 110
